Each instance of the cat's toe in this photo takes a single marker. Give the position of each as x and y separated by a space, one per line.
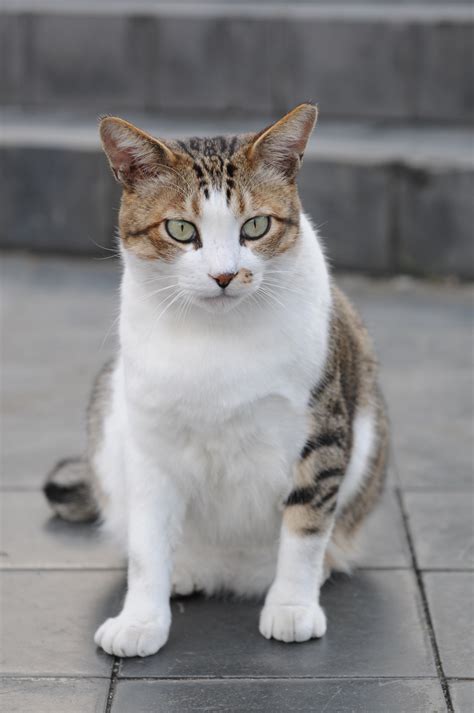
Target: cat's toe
121 636
184 582
288 623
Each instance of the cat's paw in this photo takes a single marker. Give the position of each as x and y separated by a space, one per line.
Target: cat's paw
288 622
124 636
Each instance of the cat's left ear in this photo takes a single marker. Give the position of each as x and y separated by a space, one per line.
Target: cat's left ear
282 144
133 154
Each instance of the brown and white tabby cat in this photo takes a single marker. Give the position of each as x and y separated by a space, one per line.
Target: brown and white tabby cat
239 439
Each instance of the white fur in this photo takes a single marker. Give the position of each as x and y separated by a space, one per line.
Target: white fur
208 416
364 440
292 611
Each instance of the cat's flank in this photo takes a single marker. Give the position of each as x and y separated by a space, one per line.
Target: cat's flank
238 440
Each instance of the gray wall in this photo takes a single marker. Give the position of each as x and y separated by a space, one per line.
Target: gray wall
389 172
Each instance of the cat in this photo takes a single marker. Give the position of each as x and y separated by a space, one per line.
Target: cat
239 438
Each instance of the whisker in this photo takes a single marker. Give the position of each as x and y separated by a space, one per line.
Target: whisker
275 299
102 247
157 292
108 257
107 334
159 279
295 290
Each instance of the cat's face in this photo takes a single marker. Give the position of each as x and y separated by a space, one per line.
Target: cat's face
210 217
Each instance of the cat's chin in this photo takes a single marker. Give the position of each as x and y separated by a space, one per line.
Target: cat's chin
220 304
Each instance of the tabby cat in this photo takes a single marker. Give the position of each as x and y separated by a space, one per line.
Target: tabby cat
238 440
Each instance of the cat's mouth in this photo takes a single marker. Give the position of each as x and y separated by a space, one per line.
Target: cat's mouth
219 303
224 296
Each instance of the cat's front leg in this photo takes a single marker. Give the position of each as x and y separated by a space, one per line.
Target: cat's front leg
155 511
292 611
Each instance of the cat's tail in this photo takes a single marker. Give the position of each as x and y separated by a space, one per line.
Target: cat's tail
69 491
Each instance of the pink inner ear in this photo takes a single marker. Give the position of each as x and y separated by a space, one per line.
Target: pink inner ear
123 160
120 159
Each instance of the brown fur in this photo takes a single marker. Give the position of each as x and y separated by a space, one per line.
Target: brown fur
348 384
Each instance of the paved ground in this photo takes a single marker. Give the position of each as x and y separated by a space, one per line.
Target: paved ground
400 630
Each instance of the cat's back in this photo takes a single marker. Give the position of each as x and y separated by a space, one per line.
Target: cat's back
351 354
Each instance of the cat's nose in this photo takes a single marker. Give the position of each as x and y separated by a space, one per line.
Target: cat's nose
224 279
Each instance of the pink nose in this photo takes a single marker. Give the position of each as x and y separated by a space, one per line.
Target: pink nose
224 279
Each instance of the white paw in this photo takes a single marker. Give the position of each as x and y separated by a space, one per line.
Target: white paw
288 622
124 636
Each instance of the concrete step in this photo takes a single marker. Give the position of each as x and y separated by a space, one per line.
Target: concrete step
388 199
403 61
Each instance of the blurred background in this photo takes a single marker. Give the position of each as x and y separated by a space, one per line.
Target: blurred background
388 175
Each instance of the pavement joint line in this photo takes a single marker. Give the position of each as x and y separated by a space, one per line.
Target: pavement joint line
279 678
79 677
78 568
112 685
365 568
426 610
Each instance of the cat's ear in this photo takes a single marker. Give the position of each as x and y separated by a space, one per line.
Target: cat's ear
282 144
132 153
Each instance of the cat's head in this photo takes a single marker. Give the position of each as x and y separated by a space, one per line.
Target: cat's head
214 215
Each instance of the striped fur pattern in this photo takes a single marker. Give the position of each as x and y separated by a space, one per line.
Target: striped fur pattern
348 384
238 440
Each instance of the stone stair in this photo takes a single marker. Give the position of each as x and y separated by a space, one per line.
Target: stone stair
388 174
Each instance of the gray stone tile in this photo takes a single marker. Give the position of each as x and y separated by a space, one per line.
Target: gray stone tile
68 194
442 527
435 204
428 380
96 62
30 695
451 603
351 203
33 538
375 629
49 619
383 541
462 696
298 696
57 315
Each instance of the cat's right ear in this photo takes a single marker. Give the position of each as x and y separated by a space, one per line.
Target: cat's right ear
133 154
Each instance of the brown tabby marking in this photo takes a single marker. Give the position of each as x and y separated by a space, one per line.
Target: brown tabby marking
348 384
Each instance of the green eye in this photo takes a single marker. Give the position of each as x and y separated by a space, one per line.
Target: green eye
181 230
256 227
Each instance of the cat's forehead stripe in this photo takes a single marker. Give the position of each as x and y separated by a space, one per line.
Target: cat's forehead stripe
224 146
212 163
